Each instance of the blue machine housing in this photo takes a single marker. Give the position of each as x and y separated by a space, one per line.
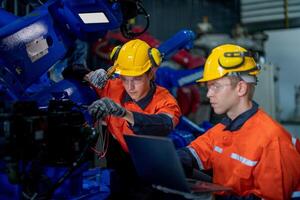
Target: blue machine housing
27 44
67 13
30 45
6 17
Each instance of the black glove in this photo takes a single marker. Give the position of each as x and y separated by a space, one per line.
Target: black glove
98 109
114 108
98 78
105 106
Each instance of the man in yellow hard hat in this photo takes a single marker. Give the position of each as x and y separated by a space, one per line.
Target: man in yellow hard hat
132 103
247 151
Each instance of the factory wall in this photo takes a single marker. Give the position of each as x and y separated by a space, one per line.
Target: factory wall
169 16
282 49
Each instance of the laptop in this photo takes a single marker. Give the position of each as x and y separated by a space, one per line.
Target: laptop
157 163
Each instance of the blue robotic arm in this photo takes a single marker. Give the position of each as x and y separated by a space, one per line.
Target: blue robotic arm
182 39
172 78
30 45
168 77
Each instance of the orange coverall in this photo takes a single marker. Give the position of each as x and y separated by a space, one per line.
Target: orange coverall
159 102
257 158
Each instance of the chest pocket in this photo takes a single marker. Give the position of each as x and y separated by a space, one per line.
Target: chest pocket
243 170
242 178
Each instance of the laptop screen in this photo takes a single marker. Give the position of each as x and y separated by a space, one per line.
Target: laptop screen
156 161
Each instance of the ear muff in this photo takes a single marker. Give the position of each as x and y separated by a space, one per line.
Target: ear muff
232 60
115 53
154 56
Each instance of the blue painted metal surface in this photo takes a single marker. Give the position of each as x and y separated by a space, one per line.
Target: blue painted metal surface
67 13
185 132
169 77
182 39
30 45
6 17
84 183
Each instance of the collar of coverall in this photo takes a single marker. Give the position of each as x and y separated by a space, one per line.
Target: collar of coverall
237 123
143 103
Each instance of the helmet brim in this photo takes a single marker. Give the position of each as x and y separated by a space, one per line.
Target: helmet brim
130 72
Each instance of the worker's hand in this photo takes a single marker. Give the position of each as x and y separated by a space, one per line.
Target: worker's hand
105 106
114 108
98 109
97 78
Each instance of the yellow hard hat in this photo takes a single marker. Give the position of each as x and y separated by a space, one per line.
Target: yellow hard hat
135 58
226 59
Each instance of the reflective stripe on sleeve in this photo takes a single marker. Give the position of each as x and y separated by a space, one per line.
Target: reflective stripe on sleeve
296 194
218 149
294 141
199 162
243 160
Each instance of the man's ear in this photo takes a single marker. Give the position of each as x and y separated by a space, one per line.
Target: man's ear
242 88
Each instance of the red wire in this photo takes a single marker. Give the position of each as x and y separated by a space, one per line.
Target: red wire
102 154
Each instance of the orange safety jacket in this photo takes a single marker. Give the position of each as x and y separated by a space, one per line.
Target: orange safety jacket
161 102
257 158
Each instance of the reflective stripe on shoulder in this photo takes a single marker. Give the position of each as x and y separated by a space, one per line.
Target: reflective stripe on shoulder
296 194
218 149
243 160
199 162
